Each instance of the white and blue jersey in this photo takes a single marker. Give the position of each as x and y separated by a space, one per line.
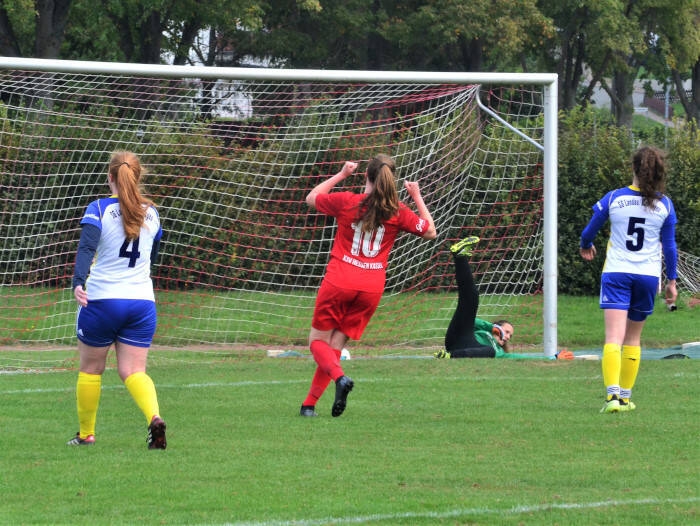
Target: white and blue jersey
122 267
638 235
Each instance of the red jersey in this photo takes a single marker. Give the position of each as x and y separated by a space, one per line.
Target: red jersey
359 259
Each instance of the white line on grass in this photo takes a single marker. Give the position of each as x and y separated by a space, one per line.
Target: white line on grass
251 383
466 512
158 386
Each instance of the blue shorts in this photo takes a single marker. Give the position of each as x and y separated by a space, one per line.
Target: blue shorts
103 322
634 293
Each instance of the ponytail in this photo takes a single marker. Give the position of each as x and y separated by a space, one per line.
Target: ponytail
649 165
125 169
382 203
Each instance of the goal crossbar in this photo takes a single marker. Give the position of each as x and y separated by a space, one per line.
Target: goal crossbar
164 70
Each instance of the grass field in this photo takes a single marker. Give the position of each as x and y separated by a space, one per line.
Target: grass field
43 318
422 441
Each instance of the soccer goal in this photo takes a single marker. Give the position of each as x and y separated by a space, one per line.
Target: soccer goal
231 154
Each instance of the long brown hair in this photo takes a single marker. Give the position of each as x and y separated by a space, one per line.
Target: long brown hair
649 165
382 203
125 170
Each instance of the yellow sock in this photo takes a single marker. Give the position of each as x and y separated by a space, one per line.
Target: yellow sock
631 359
611 363
143 392
87 394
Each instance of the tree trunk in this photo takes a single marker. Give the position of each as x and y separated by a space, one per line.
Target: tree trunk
190 30
151 37
691 104
472 54
374 58
622 105
570 68
51 18
8 41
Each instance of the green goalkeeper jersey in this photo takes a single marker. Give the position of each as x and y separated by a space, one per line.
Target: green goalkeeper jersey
483 332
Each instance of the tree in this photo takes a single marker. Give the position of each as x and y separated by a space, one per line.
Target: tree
567 48
649 27
614 41
294 34
447 35
126 30
677 49
605 37
12 25
33 28
690 104
453 35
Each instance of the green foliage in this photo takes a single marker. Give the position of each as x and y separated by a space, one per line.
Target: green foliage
593 155
43 253
92 35
21 17
684 184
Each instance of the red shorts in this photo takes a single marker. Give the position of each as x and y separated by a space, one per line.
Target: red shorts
347 310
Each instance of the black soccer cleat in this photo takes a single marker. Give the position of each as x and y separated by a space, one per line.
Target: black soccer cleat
308 410
343 386
77 441
156 434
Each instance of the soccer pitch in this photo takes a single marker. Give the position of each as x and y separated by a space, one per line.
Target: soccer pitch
422 441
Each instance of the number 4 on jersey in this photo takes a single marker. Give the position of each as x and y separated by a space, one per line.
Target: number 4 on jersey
132 254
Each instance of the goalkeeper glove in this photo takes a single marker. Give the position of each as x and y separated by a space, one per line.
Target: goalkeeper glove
498 331
564 355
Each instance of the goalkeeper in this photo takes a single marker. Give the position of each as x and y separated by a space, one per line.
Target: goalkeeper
468 336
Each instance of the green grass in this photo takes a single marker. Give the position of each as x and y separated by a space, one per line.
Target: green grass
38 316
580 324
406 322
421 442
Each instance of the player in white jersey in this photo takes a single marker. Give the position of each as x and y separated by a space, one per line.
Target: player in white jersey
642 228
112 285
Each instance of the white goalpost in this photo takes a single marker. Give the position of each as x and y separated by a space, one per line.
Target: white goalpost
231 154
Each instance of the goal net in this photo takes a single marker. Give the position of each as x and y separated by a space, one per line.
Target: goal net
688 274
231 154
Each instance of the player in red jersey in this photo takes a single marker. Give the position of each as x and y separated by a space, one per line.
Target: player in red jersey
368 224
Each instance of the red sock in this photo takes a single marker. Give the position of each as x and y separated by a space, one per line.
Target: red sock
327 358
318 386
319 383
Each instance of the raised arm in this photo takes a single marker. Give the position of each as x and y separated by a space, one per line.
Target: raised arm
328 185
423 212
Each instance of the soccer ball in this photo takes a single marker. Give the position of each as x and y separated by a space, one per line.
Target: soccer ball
344 354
